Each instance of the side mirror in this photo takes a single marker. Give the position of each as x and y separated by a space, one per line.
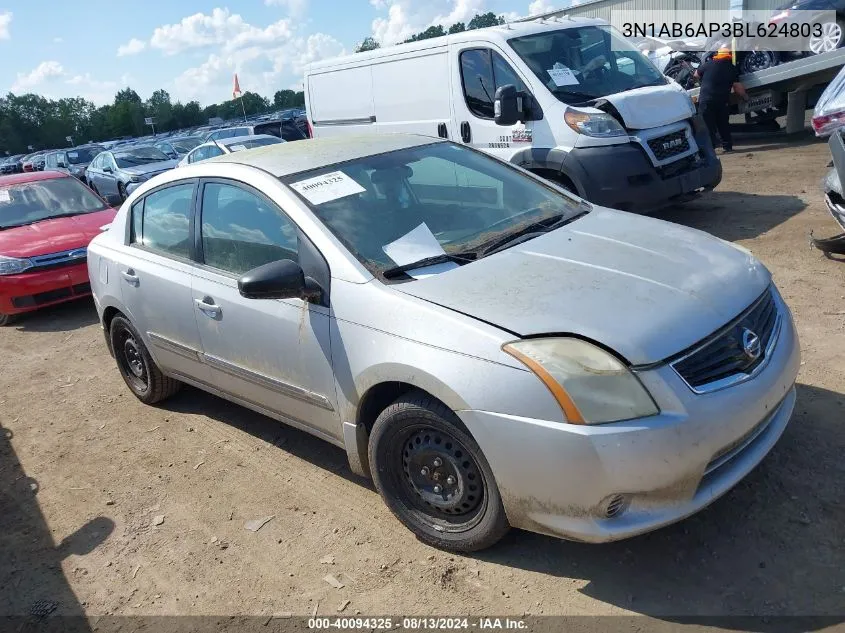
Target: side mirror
61 163
107 170
509 105
281 279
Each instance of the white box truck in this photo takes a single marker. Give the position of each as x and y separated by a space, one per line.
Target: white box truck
569 99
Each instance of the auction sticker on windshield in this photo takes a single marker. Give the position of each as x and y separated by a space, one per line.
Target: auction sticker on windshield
562 76
4 195
327 187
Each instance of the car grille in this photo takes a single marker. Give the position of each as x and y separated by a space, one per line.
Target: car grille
31 301
724 358
670 145
63 258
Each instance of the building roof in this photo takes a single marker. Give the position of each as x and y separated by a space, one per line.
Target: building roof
284 159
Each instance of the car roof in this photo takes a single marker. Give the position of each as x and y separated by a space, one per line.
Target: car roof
32 176
284 159
234 140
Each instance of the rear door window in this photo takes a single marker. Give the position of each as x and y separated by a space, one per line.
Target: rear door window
165 223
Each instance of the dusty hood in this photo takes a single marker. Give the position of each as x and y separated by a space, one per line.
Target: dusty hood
54 236
151 169
652 106
645 288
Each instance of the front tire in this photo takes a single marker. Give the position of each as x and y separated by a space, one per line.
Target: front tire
433 476
138 369
121 191
6 319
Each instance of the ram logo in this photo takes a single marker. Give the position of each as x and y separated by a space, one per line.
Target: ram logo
673 144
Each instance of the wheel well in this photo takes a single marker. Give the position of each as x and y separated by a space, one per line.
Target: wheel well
557 177
377 399
108 316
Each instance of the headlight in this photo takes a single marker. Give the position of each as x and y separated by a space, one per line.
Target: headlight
593 124
135 179
13 265
591 385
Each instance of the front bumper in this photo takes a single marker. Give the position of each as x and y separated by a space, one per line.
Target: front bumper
623 177
31 291
554 478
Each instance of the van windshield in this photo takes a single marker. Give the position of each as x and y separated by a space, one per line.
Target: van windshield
582 64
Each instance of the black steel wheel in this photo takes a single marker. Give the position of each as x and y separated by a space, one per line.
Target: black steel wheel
434 477
138 369
755 61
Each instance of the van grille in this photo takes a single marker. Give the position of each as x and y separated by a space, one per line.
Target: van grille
669 145
724 358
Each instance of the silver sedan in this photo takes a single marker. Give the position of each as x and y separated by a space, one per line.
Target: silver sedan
492 350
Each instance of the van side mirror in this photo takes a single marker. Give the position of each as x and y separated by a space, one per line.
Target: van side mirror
282 279
510 105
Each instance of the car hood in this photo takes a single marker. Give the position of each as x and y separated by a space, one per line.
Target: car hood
645 288
54 236
150 169
652 106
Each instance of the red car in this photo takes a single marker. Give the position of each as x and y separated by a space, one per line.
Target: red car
47 220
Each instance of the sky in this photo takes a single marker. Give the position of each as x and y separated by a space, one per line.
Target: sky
192 48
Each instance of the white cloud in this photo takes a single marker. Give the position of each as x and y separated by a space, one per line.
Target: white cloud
538 7
5 20
37 76
220 28
462 11
260 69
132 47
52 80
58 40
293 7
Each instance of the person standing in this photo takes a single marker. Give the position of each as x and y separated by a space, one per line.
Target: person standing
718 77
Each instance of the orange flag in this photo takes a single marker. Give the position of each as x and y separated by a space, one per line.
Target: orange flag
236 92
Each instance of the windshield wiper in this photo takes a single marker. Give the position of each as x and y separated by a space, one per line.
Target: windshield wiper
398 271
527 232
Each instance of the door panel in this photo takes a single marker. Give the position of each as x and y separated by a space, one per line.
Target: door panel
156 280
272 353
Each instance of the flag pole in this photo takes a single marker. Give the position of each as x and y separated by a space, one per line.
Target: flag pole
243 109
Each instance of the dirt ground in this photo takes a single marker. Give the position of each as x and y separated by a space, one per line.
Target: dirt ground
85 470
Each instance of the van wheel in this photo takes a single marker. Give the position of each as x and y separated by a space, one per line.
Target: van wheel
121 191
434 477
139 371
6 319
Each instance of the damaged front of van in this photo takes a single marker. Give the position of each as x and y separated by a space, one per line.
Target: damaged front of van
616 130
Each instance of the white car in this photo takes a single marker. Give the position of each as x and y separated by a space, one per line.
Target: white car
227 146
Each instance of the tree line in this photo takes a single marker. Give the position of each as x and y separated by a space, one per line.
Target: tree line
33 120
480 21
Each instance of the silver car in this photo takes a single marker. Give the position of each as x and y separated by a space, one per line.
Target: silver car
492 350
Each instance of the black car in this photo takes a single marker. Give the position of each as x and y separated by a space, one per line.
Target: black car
11 165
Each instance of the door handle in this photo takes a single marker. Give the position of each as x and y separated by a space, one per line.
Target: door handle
466 132
130 276
207 305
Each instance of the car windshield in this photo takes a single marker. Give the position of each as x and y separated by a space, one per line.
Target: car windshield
82 154
581 64
255 142
35 201
425 201
185 145
139 156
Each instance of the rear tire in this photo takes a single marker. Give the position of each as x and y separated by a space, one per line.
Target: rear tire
138 369
433 476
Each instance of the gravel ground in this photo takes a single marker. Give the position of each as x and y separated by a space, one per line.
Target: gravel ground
111 507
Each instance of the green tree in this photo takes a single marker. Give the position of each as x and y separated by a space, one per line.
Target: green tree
429 33
369 44
284 99
483 20
160 108
457 27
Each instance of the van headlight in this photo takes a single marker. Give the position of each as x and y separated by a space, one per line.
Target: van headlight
13 265
598 124
591 385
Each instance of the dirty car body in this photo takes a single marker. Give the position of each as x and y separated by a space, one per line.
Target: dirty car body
603 374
